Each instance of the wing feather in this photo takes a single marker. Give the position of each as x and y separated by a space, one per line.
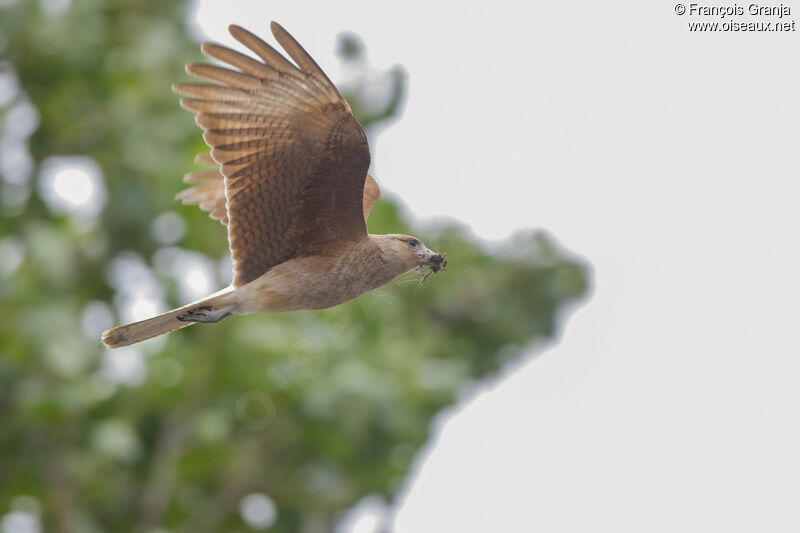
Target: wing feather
233 78
208 195
239 60
217 136
268 54
204 158
301 57
196 105
202 176
217 121
214 93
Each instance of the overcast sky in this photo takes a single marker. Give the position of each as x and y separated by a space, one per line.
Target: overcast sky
666 158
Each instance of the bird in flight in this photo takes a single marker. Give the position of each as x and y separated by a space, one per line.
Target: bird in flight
290 184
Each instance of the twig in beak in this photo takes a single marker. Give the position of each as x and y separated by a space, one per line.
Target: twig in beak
425 276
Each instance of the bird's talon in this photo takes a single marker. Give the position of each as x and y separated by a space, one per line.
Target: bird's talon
207 314
201 314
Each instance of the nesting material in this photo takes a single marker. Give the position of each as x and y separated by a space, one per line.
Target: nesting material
435 267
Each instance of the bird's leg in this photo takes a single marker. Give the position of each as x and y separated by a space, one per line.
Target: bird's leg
207 314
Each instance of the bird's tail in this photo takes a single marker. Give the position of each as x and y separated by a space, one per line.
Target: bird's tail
159 325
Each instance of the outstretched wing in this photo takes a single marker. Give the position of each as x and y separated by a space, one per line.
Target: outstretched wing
292 156
209 194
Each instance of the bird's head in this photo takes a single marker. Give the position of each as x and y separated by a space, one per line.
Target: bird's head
410 253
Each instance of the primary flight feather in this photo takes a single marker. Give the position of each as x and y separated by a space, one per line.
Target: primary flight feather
290 185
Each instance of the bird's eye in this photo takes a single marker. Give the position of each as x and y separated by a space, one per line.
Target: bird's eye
412 243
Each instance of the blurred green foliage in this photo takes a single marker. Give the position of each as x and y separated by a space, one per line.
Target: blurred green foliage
314 409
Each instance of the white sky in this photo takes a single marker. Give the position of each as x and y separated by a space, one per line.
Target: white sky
669 160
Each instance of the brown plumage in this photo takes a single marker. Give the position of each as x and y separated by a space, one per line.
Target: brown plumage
290 185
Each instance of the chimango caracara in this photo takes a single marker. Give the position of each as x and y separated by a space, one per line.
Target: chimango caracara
292 189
